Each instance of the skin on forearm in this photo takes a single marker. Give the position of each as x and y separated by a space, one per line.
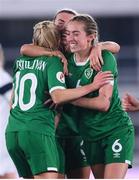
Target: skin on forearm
33 51
91 103
101 102
110 46
64 95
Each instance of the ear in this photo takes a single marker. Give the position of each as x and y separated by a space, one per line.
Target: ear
91 37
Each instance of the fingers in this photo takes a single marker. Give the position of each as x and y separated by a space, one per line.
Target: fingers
106 81
127 107
95 64
63 60
126 104
100 56
52 106
96 60
65 68
101 60
103 77
48 102
106 74
65 63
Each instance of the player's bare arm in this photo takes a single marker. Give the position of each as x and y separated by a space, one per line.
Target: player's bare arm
33 51
64 95
96 60
101 102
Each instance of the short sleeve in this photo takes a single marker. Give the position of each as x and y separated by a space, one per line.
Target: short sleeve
109 63
56 77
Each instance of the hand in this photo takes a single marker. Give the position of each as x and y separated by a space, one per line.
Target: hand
63 60
102 78
95 57
57 119
51 105
130 103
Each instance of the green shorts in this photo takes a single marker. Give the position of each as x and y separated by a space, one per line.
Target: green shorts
116 148
71 154
32 153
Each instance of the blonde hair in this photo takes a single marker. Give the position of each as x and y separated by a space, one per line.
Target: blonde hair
90 25
46 35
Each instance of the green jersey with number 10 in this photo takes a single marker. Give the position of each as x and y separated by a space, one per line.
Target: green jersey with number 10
33 79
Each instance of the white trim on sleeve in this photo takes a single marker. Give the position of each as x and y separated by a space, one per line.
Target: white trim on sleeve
56 87
52 169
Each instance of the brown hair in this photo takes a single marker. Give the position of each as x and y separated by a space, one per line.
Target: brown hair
68 11
90 25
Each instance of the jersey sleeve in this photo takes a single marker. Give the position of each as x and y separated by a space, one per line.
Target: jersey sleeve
56 77
110 63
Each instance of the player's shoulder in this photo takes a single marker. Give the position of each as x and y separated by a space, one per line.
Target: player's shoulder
108 55
54 60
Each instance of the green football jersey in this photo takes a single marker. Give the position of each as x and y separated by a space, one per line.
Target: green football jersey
33 79
93 124
70 117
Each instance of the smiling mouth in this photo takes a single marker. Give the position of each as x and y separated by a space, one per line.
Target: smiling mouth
72 45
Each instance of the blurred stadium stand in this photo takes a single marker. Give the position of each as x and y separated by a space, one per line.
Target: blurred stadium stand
118 21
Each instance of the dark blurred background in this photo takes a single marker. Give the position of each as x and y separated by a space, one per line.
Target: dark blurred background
118 21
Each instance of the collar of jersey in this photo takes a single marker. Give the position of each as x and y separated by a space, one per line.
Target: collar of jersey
80 63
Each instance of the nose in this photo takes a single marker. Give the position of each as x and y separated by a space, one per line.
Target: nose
69 37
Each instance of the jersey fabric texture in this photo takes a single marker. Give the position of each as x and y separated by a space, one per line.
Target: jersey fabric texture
69 122
115 148
74 156
33 79
93 124
69 140
33 153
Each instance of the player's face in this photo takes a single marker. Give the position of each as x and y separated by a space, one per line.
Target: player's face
77 38
61 19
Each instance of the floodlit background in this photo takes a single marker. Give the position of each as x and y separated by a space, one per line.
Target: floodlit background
118 21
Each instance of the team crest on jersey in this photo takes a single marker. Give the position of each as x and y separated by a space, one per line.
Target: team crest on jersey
60 76
88 73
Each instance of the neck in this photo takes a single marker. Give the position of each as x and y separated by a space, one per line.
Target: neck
82 55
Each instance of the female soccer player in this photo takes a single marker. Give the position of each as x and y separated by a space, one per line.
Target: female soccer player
106 128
